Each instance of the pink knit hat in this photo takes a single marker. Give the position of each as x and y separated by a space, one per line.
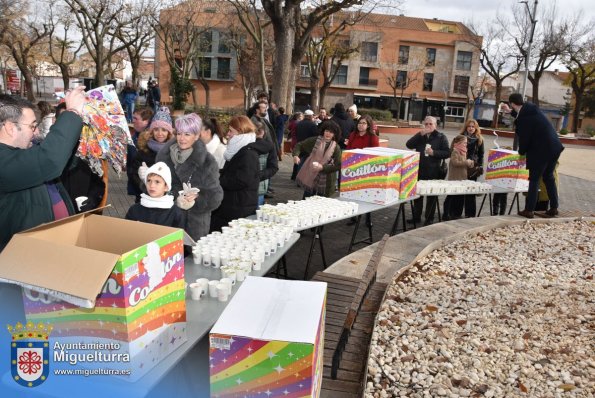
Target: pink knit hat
162 119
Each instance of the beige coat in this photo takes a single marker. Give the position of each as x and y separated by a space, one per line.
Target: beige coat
457 167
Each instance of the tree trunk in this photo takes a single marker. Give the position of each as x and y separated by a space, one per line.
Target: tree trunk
195 96
205 85
99 72
29 85
315 93
576 114
284 34
263 74
498 95
65 75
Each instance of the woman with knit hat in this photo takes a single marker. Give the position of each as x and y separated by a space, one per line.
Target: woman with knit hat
192 167
149 143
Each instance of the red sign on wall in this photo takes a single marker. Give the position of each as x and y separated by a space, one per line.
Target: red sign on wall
13 82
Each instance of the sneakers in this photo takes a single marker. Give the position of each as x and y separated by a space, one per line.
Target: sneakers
551 212
526 213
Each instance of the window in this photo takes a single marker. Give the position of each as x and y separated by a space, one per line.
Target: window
205 42
304 70
223 68
223 44
454 111
464 60
364 77
402 79
369 51
461 84
341 76
404 55
430 56
428 81
204 67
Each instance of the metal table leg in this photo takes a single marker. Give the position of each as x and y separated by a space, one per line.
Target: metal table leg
357 220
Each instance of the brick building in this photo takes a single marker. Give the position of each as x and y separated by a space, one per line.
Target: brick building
433 57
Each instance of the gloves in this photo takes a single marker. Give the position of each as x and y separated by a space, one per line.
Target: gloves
142 172
184 204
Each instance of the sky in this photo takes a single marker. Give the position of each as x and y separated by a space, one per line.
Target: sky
478 12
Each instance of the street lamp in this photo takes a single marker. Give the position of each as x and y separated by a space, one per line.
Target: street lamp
528 57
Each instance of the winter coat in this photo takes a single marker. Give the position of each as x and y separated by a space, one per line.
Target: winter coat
537 137
24 199
346 123
216 148
329 169
306 129
269 134
172 217
239 179
457 167
148 157
202 172
269 165
475 150
79 180
429 166
357 141
129 95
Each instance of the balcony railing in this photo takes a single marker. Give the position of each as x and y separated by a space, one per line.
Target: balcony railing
369 57
368 82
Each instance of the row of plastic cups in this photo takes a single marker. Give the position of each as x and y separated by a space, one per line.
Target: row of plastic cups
219 289
218 257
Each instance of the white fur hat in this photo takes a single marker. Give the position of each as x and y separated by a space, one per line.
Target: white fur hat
162 170
353 108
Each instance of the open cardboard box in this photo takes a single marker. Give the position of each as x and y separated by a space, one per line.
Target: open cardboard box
102 279
270 338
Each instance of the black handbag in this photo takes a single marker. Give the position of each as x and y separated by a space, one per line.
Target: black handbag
443 169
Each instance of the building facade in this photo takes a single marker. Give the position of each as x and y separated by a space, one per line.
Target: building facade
431 62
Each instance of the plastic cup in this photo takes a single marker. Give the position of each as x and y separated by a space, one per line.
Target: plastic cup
195 290
213 288
222 292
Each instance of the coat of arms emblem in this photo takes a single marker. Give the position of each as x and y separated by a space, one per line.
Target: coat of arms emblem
30 353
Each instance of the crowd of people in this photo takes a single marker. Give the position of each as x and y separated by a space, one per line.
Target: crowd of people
193 174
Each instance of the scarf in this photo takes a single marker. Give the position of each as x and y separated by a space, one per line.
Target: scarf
236 143
164 202
213 144
179 156
461 147
155 146
307 174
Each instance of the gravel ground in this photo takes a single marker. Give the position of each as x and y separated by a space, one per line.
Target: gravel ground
507 313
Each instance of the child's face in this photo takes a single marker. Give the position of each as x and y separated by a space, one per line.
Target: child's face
156 186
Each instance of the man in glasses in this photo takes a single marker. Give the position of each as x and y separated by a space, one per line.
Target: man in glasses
30 193
433 148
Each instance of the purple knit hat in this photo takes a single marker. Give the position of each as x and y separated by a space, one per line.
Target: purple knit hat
162 119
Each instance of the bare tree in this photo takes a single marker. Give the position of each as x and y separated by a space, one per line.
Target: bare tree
183 33
580 61
292 29
326 51
499 57
22 35
254 22
62 48
98 21
404 74
137 37
249 70
550 40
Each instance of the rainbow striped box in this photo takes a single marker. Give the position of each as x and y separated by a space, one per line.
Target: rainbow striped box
379 175
507 169
105 280
269 341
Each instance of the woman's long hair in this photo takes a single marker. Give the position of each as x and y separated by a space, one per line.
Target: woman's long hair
242 124
477 130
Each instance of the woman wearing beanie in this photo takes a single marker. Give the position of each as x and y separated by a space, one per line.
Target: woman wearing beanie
212 137
240 176
191 164
150 143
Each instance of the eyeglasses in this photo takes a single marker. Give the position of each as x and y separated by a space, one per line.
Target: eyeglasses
33 126
428 124
362 123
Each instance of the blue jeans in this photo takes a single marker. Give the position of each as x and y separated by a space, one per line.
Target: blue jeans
129 111
545 171
260 201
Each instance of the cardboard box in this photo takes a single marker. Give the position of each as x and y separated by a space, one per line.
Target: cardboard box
379 175
409 170
269 340
103 280
507 169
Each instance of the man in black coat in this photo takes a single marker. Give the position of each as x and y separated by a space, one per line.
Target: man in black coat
540 143
433 148
344 121
306 128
